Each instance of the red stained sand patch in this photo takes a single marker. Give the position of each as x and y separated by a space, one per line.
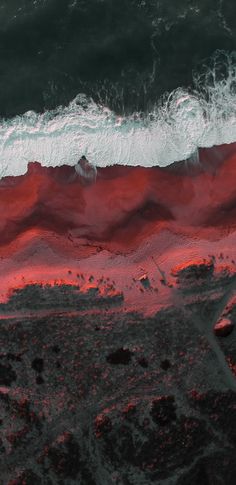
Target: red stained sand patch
223 327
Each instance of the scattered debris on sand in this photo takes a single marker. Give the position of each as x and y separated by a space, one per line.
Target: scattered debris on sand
144 280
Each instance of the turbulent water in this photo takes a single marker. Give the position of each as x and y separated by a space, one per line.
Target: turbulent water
128 82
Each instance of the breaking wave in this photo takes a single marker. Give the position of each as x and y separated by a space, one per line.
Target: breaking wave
178 125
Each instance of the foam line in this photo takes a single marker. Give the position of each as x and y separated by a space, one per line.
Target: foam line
173 131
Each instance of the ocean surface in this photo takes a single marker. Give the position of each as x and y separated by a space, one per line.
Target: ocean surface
129 82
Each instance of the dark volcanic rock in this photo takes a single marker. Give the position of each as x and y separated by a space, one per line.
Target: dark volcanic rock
92 419
19 437
39 380
165 364
143 362
216 469
155 451
7 375
66 463
64 456
120 356
38 364
214 405
28 477
2 448
163 410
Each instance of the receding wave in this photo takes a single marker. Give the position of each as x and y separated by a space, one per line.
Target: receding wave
178 125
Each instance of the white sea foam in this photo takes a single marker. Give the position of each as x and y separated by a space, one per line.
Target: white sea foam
173 131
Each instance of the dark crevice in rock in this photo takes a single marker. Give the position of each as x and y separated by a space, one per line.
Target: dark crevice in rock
120 356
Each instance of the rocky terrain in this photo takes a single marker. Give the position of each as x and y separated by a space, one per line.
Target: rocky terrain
91 393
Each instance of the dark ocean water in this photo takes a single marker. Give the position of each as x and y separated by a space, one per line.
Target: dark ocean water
124 53
158 80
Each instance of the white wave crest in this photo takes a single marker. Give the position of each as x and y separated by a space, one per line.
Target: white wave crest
173 131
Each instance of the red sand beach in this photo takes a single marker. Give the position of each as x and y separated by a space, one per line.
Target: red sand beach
131 222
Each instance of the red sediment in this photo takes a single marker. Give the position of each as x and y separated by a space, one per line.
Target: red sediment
122 202
125 207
